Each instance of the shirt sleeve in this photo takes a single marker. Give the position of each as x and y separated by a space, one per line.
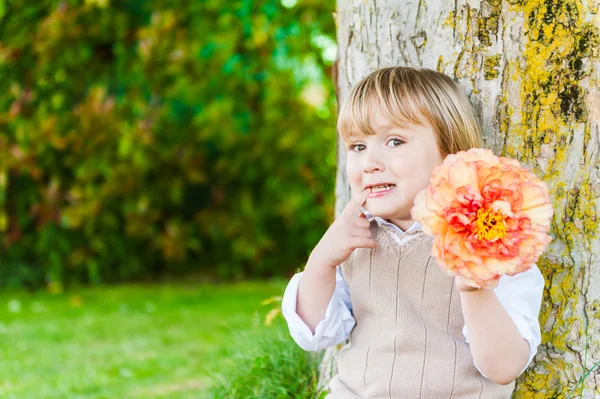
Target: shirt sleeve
335 328
521 297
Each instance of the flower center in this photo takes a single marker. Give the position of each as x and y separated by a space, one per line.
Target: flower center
490 225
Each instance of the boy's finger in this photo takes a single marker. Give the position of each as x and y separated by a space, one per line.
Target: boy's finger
362 222
362 232
358 201
363 242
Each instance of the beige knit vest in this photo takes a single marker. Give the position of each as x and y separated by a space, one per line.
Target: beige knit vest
408 341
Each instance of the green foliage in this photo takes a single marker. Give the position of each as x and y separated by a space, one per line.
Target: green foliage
149 137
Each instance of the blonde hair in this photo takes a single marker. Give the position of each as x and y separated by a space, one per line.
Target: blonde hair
408 95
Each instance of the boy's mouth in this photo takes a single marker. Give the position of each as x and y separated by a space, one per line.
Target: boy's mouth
381 189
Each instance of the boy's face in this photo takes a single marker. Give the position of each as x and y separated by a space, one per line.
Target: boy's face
400 158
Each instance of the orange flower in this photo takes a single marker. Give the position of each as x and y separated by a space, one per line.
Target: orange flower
489 216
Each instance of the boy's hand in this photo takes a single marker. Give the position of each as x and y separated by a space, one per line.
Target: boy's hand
349 231
463 287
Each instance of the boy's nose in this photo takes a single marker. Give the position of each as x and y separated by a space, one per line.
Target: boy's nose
373 164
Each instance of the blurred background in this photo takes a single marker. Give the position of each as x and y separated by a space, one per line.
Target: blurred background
165 167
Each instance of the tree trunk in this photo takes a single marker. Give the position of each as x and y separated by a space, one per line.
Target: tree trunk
530 68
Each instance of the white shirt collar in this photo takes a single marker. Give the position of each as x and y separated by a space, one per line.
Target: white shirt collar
382 222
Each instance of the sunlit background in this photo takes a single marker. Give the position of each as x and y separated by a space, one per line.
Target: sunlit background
165 167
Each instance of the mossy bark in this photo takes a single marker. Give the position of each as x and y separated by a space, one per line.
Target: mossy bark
531 70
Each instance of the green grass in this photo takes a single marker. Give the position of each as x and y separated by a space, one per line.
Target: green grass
269 367
135 341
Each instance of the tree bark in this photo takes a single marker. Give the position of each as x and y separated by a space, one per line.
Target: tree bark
531 70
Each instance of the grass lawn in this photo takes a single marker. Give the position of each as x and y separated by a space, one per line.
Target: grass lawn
134 341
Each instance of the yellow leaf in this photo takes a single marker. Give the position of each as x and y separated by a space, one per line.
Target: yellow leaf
271 315
271 300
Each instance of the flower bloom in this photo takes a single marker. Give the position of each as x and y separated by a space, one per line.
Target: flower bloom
489 216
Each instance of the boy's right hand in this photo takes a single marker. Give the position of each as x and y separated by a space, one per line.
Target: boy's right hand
349 231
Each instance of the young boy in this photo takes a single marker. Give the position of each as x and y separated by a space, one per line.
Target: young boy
414 331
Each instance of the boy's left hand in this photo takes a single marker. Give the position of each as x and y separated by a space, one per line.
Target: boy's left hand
462 287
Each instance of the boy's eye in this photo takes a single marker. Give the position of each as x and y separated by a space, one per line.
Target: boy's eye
356 147
395 142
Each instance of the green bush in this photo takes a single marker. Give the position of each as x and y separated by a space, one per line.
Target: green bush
139 138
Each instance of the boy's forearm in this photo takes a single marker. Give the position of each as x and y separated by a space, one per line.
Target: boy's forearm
315 290
496 344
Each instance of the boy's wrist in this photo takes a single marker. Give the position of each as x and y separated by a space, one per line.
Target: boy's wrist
315 264
316 258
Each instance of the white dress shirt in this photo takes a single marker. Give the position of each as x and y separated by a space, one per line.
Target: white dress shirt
520 295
